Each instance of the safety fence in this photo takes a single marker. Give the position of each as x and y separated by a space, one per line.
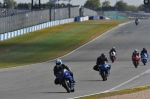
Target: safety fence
34 28
26 19
26 30
22 20
16 24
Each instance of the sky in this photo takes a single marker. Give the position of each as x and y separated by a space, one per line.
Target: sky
81 2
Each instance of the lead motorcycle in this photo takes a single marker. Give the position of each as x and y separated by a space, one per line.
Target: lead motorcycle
135 60
66 80
113 56
136 22
144 58
104 70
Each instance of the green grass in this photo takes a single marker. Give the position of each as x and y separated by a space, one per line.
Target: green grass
114 93
50 43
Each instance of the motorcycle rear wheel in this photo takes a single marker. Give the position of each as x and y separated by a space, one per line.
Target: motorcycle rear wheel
103 75
67 86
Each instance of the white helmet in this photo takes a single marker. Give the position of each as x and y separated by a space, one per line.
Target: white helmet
135 50
113 48
58 62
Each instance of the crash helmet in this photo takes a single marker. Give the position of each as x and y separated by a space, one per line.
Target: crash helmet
144 49
58 62
113 47
135 51
103 55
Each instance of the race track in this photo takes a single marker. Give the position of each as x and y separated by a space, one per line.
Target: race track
37 81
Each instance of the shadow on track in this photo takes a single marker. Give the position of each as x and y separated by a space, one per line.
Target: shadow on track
91 80
52 92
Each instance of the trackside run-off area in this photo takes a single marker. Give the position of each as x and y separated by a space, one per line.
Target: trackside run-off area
142 92
50 43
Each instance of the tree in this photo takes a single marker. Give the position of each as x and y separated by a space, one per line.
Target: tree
144 7
147 7
63 5
106 4
23 6
50 4
93 4
132 7
120 5
141 7
69 5
1 5
9 3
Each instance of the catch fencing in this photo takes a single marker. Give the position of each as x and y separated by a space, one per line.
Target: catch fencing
16 21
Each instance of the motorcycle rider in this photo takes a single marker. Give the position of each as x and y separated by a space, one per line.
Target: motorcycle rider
101 60
136 21
58 67
134 54
112 50
144 51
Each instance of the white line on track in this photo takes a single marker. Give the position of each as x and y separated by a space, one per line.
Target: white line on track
114 88
96 38
71 51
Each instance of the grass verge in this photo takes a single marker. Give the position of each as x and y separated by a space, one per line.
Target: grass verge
114 93
50 43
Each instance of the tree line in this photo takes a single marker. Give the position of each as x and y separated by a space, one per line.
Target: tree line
92 4
13 4
119 5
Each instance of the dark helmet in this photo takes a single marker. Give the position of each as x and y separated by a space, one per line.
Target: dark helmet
144 49
58 62
103 55
113 48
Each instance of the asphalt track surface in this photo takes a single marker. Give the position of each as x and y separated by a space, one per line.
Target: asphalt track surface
37 81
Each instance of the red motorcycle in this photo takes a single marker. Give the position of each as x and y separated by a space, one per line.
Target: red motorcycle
136 60
112 56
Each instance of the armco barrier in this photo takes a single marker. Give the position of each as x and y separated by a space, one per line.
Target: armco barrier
81 19
94 18
34 28
85 18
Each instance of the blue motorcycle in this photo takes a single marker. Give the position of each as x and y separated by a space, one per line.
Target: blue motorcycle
66 80
144 58
104 70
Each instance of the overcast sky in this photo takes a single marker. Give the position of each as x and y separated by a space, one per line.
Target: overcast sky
81 2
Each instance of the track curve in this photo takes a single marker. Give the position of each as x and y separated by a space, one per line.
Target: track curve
36 81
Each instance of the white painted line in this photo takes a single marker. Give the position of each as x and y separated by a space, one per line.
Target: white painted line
73 50
126 82
94 39
147 71
112 89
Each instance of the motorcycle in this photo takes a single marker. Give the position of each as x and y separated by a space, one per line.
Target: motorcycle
113 56
135 60
136 22
104 71
66 80
144 58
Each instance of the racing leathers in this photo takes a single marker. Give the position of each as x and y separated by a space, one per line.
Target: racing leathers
99 61
144 51
112 50
57 69
134 55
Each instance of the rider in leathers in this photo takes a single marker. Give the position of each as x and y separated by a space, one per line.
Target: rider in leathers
136 20
58 67
136 53
144 51
101 60
112 50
